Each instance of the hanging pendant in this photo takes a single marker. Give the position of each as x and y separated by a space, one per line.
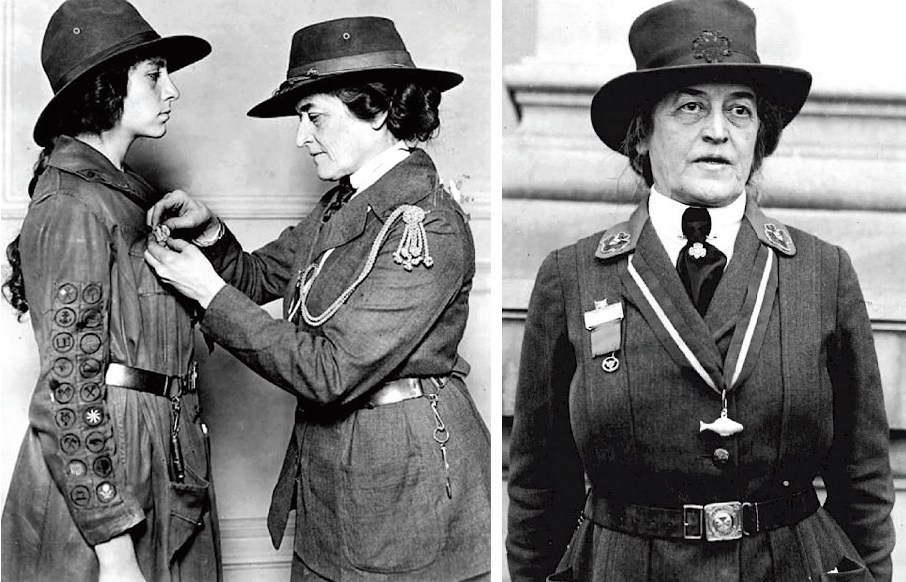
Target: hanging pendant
610 364
697 251
723 425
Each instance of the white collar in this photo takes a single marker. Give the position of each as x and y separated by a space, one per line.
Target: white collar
377 166
666 216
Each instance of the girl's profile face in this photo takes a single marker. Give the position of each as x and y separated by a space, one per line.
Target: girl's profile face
150 94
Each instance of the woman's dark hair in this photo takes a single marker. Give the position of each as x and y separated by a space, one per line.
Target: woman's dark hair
770 117
412 109
93 106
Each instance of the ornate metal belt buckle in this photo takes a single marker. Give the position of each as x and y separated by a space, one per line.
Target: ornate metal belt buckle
723 521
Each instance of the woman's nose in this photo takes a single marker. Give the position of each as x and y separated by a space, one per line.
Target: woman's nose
303 135
716 126
170 91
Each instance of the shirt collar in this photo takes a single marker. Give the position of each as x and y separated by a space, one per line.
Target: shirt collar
667 214
377 166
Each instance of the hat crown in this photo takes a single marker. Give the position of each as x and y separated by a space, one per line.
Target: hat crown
84 33
347 44
694 32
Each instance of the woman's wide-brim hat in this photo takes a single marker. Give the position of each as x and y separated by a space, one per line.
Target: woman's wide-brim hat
687 42
87 37
344 52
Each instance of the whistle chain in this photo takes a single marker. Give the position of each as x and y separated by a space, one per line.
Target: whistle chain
441 436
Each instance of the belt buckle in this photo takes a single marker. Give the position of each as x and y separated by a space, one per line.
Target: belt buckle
692 522
723 521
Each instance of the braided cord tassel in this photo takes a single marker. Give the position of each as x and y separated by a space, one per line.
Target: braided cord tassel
412 250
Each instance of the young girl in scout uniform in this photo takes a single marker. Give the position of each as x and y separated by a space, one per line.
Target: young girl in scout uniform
112 477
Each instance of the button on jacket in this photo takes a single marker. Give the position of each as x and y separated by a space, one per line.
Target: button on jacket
371 500
95 461
811 405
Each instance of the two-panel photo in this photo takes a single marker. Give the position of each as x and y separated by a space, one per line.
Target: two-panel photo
429 291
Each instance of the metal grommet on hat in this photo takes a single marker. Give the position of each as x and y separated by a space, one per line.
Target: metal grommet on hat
84 37
684 42
346 50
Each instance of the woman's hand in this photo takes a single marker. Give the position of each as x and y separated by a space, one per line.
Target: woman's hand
183 266
116 560
179 211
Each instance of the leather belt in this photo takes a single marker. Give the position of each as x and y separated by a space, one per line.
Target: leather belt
720 521
403 389
150 382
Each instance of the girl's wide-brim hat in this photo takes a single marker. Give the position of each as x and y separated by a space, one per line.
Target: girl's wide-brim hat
86 37
345 52
687 42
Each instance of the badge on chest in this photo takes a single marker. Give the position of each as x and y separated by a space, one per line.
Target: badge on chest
604 324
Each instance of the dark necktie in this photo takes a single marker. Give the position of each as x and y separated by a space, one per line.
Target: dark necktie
342 192
700 264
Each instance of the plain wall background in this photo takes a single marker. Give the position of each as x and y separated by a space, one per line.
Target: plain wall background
250 172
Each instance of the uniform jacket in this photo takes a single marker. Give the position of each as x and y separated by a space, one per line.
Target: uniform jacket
369 482
810 403
95 460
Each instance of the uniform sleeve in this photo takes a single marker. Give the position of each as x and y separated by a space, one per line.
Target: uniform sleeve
68 254
262 275
858 476
546 483
373 332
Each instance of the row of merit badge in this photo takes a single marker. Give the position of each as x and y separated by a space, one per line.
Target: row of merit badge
604 324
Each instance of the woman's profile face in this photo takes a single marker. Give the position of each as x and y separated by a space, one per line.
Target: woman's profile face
339 142
150 94
703 143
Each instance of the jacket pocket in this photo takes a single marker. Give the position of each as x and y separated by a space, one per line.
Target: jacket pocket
389 521
824 547
848 571
188 504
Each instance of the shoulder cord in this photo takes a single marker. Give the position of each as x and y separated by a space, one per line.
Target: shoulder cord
412 250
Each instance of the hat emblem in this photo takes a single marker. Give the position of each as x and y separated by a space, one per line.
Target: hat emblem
312 72
711 45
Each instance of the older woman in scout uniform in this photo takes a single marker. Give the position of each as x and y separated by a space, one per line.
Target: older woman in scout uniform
112 477
700 364
388 466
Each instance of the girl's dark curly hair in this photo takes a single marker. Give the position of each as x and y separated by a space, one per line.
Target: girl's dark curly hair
93 106
412 109
770 117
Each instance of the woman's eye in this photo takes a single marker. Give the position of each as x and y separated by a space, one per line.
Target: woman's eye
741 111
154 75
691 107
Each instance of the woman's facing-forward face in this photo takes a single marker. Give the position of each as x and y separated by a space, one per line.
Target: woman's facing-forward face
703 143
339 142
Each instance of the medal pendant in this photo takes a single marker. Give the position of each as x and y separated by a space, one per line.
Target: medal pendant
697 251
610 364
723 425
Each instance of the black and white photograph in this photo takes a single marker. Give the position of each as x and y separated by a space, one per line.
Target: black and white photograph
702 283
247 287
433 291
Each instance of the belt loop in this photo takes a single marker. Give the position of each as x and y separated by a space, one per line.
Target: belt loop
754 520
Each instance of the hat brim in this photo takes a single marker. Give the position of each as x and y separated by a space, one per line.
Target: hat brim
616 103
283 103
179 51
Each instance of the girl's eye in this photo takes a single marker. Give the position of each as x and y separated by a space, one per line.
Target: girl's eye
154 75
